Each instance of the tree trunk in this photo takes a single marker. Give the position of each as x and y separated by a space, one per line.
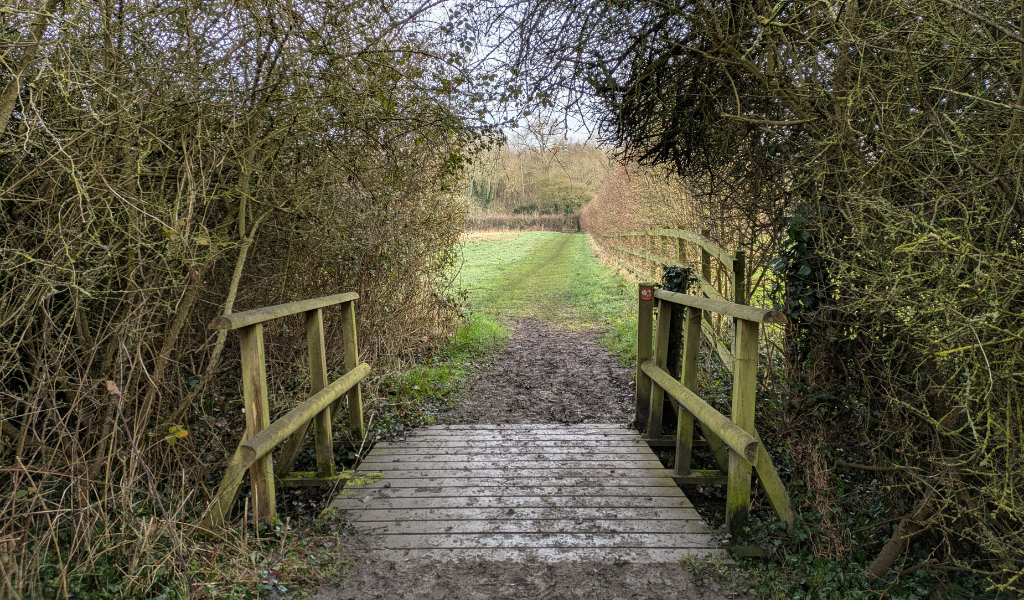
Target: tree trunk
36 31
908 527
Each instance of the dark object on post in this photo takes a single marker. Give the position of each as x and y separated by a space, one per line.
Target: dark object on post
676 279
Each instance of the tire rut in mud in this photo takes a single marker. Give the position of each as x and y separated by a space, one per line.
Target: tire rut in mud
547 375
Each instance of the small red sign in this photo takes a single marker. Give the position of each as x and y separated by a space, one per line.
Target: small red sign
646 293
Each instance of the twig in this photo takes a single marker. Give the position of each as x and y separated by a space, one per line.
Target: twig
150 480
910 570
873 525
766 121
869 467
985 19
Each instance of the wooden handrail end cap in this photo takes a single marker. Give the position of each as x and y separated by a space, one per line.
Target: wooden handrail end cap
220 323
750 452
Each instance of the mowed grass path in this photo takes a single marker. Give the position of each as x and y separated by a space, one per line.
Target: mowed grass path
552 277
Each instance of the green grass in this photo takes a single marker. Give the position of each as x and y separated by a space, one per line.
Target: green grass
415 396
553 277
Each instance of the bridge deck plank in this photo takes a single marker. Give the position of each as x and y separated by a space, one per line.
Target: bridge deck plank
515 448
429 491
509 463
489 474
536 526
469 455
497 446
548 492
515 482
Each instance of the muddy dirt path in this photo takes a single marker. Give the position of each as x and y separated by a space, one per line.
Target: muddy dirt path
548 375
484 580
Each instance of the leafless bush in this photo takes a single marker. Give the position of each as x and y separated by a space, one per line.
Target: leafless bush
162 163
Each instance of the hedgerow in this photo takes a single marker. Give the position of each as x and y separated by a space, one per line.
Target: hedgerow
163 163
883 139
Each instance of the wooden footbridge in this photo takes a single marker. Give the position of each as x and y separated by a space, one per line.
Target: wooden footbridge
551 492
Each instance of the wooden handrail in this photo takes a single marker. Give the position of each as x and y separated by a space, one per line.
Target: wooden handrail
734 437
714 249
265 441
736 264
704 284
730 309
269 313
260 445
320 409
733 440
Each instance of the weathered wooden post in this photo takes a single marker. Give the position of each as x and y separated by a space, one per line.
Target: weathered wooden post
705 267
744 391
688 377
257 418
657 408
323 435
680 248
675 344
644 325
739 286
351 348
323 422
739 289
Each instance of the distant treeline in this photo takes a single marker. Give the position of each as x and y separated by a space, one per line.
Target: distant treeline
536 172
520 222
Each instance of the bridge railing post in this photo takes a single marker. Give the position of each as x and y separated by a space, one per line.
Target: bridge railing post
657 407
739 289
257 418
705 268
351 349
322 434
688 377
645 318
317 382
739 268
744 391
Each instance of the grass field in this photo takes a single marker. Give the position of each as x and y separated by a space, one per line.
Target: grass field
552 277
